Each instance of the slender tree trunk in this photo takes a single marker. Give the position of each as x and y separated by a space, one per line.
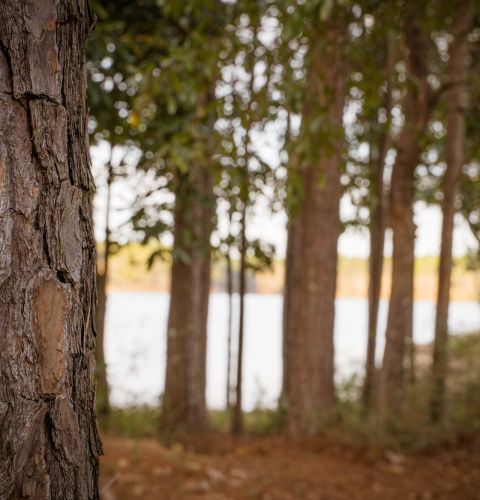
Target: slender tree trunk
456 100
184 405
49 443
309 317
377 234
229 329
375 271
400 314
103 401
237 424
291 274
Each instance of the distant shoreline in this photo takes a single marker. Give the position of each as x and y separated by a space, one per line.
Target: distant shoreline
152 289
128 271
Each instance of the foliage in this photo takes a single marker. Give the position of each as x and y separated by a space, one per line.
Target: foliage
132 422
412 430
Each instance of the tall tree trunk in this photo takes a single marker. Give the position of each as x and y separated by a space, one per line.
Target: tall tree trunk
237 424
456 100
184 405
291 274
49 443
309 376
229 328
103 401
377 233
400 313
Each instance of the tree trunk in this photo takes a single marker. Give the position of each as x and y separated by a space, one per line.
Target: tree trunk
103 401
237 424
377 234
229 328
400 313
184 405
456 100
49 443
375 271
309 317
291 273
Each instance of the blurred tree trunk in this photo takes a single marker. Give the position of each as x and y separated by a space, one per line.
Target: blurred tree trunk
184 406
103 401
229 327
237 424
309 317
416 109
377 230
49 443
291 274
456 101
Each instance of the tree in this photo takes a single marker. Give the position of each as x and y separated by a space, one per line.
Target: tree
310 385
191 154
416 110
378 211
184 403
103 400
369 137
244 199
246 106
229 271
456 103
49 442
113 68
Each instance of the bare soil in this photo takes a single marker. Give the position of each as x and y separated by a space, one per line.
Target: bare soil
218 467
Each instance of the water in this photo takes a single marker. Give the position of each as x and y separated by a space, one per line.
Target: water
136 343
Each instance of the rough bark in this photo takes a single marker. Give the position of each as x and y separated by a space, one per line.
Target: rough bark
377 232
408 146
103 400
49 443
184 405
456 101
309 376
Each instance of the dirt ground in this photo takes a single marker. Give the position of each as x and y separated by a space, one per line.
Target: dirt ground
220 468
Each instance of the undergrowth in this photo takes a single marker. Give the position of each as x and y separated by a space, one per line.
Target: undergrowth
410 431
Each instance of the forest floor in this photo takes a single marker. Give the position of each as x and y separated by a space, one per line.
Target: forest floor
218 467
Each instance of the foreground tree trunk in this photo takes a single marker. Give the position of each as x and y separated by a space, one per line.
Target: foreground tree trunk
377 233
103 400
49 443
184 405
456 100
400 313
309 317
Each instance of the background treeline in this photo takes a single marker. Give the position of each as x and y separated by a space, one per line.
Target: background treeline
128 270
211 110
